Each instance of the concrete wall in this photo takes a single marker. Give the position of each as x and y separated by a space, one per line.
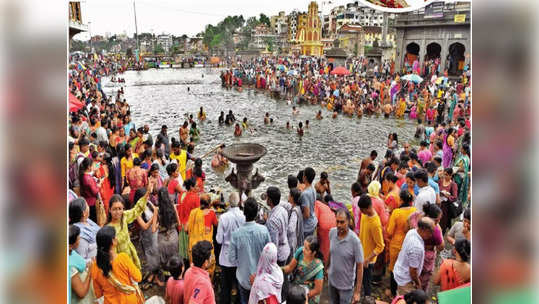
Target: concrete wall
444 35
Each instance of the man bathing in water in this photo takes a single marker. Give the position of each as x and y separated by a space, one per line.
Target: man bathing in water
288 125
266 118
322 186
319 115
300 129
295 111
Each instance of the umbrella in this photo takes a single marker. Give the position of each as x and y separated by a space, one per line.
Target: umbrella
214 60
340 70
74 103
413 77
440 79
292 72
281 67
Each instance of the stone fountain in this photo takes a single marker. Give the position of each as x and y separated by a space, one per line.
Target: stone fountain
244 155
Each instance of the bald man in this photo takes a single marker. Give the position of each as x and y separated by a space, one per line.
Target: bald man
410 260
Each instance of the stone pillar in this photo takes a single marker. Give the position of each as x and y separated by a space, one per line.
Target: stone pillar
444 51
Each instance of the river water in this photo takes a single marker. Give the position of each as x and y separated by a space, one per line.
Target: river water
336 146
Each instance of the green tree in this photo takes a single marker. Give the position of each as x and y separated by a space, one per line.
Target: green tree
270 42
264 19
158 49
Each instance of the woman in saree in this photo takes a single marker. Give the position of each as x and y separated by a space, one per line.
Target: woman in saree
401 108
396 231
126 163
78 216
308 267
448 143
462 177
137 178
147 222
200 226
120 218
114 273
168 228
188 201
448 194
89 187
155 179
79 280
103 171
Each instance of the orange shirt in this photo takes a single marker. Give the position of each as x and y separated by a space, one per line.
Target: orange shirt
124 270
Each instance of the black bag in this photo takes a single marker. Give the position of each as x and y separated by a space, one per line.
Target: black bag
454 208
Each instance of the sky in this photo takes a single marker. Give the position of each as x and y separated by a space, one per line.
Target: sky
179 17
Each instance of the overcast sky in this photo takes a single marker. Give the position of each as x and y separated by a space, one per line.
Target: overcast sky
180 17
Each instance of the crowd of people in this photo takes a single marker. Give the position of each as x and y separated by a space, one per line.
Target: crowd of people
366 90
140 214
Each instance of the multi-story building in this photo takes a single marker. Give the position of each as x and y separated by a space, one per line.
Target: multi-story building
292 25
351 13
279 23
351 39
165 41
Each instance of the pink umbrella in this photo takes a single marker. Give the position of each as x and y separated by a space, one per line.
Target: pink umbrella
340 70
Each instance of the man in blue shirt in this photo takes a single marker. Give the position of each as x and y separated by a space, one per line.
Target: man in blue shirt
246 244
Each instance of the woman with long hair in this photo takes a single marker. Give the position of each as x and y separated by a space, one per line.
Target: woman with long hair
114 273
308 263
137 178
147 222
79 211
455 272
188 201
449 143
155 179
198 175
105 171
120 218
79 287
168 227
269 279
89 187
200 226
448 195
126 163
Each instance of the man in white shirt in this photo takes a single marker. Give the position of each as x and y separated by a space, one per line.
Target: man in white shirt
426 193
228 222
410 260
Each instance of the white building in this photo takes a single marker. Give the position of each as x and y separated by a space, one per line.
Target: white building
165 41
351 13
